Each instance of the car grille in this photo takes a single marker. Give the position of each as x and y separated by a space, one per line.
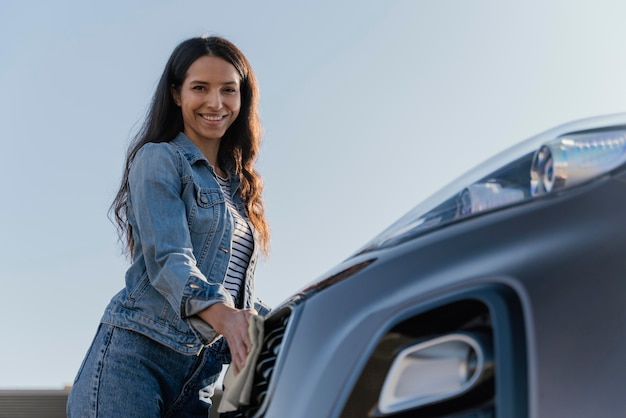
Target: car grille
275 327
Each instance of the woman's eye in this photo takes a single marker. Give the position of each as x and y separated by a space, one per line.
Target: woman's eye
198 88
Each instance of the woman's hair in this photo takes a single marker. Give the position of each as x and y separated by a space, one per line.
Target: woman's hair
238 148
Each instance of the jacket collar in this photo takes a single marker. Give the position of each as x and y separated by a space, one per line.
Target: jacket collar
193 154
188 148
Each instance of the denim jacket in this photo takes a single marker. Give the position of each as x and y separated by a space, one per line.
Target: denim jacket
182 233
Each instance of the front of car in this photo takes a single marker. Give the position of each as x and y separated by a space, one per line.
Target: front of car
501 296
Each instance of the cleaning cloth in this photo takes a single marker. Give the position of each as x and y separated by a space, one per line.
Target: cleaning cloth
238 389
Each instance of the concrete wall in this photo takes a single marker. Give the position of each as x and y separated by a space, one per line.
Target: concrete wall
48 403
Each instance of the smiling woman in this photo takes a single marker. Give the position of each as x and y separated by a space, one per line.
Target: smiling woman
191 211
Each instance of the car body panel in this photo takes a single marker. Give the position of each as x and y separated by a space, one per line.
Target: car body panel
562 255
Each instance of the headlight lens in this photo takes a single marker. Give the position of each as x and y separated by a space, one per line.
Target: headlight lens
574 159
562 157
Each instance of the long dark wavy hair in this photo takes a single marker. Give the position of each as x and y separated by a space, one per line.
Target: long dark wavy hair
238 148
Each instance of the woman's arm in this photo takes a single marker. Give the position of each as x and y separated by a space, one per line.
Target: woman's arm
161 228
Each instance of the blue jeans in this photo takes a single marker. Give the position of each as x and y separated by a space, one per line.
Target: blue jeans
126 374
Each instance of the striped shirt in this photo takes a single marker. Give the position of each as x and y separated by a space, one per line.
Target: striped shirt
242 245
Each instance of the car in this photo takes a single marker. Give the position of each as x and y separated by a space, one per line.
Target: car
503 295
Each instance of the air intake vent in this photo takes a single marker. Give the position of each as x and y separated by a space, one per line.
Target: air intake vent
462 356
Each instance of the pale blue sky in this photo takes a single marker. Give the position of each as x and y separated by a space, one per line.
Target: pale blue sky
368 108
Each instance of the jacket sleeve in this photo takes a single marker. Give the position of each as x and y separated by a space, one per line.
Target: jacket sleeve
162 228
261 307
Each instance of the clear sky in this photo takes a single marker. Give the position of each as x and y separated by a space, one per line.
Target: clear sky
368 108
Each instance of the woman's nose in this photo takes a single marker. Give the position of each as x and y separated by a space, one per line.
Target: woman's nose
214 100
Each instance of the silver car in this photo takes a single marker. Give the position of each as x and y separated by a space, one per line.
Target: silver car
504 295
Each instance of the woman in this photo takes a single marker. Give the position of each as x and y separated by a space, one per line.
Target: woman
191 211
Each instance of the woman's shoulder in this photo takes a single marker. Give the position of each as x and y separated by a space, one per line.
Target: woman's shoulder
156 150
157 159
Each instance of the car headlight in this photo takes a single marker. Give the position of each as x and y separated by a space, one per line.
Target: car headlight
560 158
576 158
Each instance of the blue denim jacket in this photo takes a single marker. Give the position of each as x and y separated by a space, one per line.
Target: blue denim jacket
182 233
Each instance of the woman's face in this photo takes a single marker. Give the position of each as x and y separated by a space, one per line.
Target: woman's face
209 99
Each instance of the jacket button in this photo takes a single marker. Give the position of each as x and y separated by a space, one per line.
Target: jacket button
204 199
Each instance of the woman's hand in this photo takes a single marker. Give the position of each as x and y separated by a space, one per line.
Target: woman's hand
232 323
